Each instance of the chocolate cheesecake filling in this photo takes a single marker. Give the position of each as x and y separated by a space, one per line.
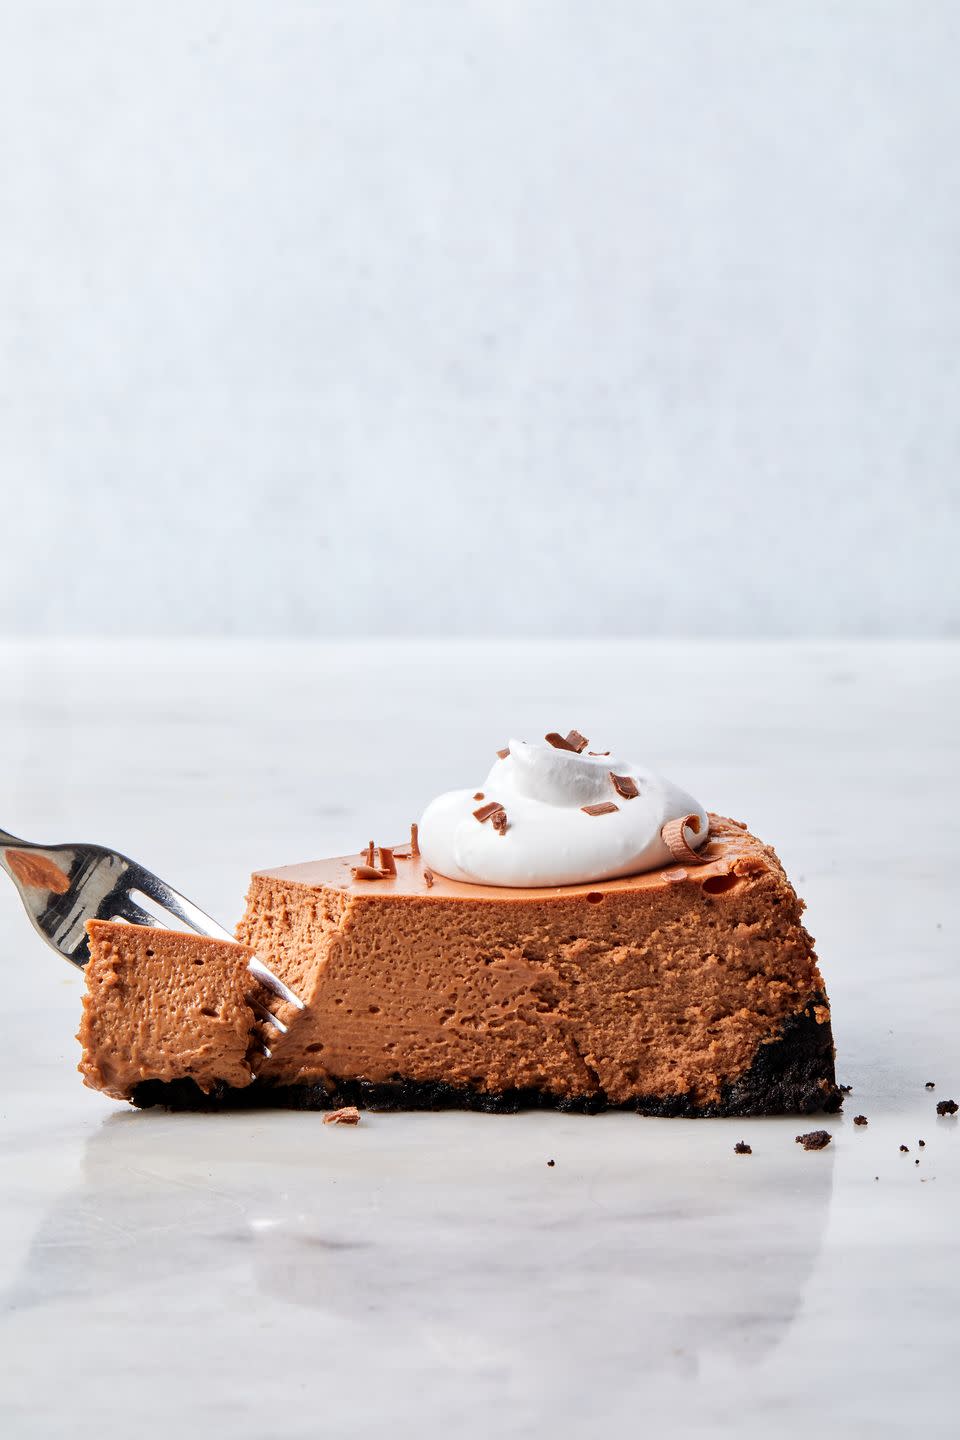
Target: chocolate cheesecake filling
660 985
164 1006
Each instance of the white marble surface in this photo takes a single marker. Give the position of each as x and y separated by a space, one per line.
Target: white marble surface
258 1276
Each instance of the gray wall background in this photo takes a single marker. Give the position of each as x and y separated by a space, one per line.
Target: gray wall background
480 316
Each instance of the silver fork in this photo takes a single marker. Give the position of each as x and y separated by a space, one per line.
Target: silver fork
64 886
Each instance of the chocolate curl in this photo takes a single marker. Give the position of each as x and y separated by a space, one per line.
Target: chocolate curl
414 842
386 860
606 807
573 740
677 843
428 878
368 872
486 811
370 850
502 754
625 785
495 813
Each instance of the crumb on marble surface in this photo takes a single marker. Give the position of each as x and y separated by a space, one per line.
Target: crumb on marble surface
947 1107
742 1148
346 1115
814 1139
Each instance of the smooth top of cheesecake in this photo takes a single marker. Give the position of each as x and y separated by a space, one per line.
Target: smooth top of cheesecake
729 842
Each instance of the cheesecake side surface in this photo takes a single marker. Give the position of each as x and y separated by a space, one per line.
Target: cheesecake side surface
682 991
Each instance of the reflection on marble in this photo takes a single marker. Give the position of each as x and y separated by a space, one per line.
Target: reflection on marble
440 1250
643 1264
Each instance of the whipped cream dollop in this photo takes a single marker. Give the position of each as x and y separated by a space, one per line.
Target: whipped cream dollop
547 836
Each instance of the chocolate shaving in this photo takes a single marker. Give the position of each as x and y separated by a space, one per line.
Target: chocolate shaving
368 872
414 841
386 860
428 878
479 795
606 807
625 785
598 753
502 754
348 1115
573 740
676 842
495 813
370 849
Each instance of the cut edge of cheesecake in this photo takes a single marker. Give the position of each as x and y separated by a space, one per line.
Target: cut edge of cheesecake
167 1007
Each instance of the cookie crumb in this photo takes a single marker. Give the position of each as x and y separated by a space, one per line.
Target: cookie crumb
947 1107
930 1085
921 1143
917 1161
814 1139
905 1149
347 1115
859 1119
845 1089
551 1163
742 1148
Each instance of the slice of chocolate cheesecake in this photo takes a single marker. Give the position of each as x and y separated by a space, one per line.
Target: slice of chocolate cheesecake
682 991
577 933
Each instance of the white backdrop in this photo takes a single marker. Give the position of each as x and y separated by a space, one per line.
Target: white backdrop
479 316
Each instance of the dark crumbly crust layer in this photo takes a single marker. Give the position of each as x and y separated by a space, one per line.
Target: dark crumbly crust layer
792 1075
